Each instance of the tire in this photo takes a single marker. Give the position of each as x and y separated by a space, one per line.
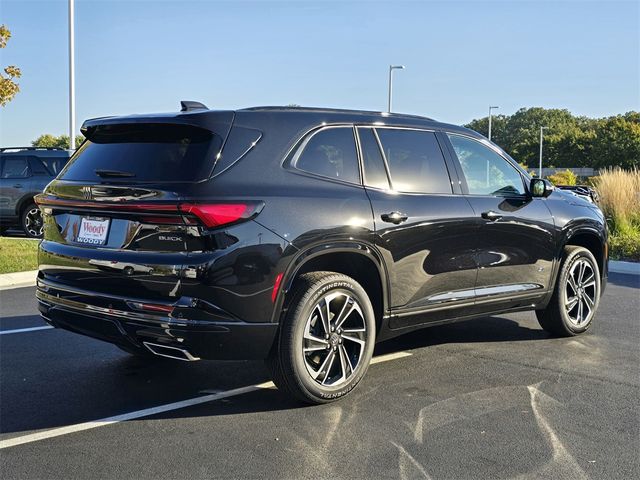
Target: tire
31 221
576 297
313 365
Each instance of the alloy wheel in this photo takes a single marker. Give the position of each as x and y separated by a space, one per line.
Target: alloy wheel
580 293
33 223
335 337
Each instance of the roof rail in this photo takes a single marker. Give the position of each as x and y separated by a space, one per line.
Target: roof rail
3 149
335 110
189 105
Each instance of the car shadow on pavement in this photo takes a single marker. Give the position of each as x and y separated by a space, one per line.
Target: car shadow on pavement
75 379
486 329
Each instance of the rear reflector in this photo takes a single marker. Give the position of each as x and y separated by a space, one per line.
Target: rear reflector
157 308
214 215
276 287
152 307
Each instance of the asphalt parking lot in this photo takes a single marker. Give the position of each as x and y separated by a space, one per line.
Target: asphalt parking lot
489 398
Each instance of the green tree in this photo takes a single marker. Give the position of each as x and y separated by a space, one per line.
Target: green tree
8 87
616 141
570 141
51 141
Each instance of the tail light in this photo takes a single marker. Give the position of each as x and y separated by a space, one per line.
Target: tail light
210 214
217 214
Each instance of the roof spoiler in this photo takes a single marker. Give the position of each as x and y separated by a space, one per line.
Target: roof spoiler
189 105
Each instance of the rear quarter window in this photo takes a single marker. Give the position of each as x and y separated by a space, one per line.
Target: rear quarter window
145 153
330 152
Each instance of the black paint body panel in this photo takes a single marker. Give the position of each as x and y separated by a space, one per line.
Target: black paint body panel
228 285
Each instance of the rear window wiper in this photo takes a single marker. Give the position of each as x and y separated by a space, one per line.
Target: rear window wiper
113 173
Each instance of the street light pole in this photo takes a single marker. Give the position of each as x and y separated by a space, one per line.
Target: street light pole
491 108
391 69
72 80
541 136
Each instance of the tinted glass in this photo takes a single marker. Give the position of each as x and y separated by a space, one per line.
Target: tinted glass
487 173
375 175
416 163
145 153
15 167
37 167
55 164
331 153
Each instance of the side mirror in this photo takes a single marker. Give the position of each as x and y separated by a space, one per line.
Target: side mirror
540 187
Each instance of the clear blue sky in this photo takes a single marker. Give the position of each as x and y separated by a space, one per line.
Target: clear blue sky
145 56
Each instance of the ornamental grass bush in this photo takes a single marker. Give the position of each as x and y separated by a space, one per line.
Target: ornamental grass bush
619 192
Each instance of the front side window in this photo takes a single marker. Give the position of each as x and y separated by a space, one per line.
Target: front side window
331 153
486 172
15 167
415 161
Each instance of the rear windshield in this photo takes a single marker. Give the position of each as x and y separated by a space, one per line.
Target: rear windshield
145 153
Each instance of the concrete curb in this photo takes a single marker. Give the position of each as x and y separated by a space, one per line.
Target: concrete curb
18 279
630 268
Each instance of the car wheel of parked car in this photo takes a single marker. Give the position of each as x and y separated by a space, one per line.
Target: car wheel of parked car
576 296
326 338
32 222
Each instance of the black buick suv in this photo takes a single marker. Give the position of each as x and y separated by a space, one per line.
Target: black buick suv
304 236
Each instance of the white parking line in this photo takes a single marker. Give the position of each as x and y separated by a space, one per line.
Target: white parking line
56 432
22 330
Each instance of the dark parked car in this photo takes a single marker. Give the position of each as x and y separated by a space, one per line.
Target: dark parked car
24 172
304 236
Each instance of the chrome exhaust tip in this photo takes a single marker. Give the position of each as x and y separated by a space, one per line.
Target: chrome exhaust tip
170 352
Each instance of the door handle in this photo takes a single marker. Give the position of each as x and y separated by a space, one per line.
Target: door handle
17 185
394 217
491 215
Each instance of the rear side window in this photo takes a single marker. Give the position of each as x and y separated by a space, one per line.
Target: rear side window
415 161
331 153
486 172
37 167
15 167
375 174
145 153
55 164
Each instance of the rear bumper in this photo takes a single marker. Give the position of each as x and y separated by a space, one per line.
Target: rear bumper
110 319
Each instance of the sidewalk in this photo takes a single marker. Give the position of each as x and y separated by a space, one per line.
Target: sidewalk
18 279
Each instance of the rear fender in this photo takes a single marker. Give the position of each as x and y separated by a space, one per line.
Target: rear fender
325 250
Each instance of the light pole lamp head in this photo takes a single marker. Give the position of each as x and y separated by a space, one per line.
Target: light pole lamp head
396 67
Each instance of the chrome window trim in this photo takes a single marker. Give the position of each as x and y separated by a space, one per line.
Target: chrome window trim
301 145
384 160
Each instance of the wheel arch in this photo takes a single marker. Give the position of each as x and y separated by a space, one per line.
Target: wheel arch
593 240
359 261
24 202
